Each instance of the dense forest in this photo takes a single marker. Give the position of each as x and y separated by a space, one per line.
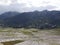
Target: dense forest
36 19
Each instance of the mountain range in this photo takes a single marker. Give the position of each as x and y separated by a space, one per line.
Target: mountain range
36 19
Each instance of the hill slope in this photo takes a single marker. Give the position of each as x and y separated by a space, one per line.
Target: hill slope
36 19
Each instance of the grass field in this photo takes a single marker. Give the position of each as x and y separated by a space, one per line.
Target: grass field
11 36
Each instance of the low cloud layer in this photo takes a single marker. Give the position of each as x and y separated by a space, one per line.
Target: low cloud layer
28 5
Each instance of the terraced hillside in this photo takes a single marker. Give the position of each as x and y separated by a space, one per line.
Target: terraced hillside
10 36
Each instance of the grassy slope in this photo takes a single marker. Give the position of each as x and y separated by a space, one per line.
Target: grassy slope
51 36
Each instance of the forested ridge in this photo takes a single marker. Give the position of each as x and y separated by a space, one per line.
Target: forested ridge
35 19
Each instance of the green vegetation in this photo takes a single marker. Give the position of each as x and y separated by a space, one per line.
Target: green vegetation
12 42
26 32
46 36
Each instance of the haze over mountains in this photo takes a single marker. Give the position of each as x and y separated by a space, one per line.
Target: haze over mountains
36 19
28 5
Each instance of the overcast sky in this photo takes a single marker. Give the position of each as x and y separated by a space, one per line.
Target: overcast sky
29 5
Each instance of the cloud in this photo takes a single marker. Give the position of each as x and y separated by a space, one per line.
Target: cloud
28 5
5 2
